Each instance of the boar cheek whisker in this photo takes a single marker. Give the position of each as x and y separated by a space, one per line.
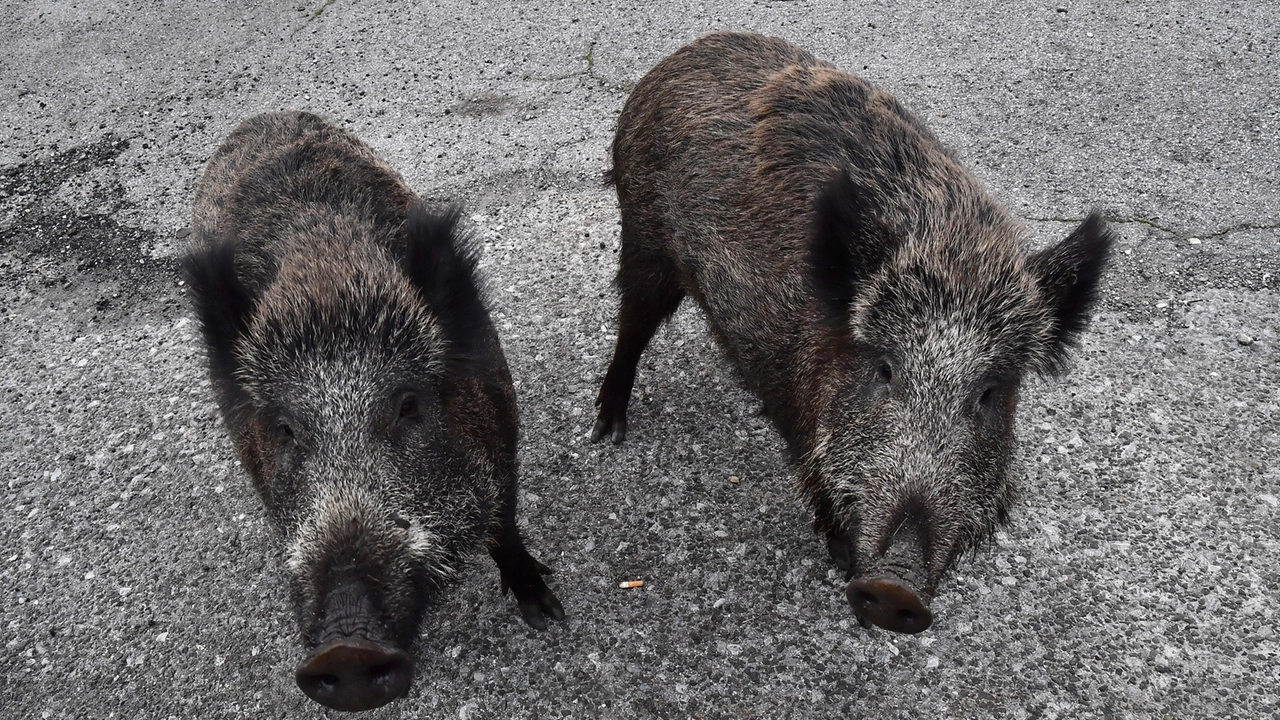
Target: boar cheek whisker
426 548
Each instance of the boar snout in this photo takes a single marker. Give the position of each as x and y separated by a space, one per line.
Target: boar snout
354 666
351 674
894 592
889 604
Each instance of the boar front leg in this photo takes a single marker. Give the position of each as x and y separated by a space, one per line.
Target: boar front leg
839 541
521 573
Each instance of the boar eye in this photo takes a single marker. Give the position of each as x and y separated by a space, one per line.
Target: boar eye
286 432
409 406
399 521
990 397
884 373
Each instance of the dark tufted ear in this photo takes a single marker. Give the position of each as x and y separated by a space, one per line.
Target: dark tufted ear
848 245
1068 273
440 261
222 304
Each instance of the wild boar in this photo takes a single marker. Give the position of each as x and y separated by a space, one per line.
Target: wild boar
862 283
364 388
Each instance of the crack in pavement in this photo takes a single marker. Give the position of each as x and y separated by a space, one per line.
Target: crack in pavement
590 57
1184 234
318 11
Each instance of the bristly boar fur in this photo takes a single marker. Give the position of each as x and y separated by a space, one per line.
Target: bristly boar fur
363 386
862 282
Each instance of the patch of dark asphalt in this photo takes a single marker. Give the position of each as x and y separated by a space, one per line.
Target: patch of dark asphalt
50 237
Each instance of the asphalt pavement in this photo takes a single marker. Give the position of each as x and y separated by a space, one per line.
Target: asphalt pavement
1139 576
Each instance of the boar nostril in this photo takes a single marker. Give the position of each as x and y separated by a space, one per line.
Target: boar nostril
326 683
386 673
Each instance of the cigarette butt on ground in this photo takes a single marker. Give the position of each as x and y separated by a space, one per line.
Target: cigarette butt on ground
626 584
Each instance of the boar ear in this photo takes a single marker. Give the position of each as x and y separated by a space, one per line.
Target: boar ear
849 243
440 260
1068 274
222 303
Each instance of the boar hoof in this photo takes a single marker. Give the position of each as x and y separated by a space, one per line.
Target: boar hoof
605 424
534 598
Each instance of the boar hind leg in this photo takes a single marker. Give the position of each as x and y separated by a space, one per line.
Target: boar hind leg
651 292
521 573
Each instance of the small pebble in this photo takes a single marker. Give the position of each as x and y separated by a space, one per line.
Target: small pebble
734 479
1244 339
1193 241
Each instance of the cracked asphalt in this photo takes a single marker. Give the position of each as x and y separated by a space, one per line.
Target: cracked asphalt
1139 577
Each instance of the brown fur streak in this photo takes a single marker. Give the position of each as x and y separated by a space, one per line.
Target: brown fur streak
831 239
